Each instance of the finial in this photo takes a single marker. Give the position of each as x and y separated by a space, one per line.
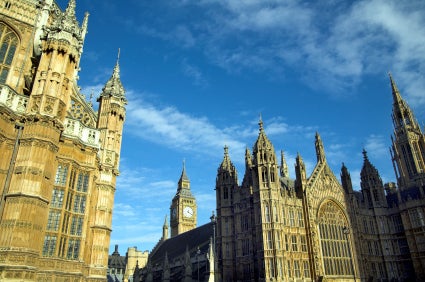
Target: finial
364 154
226 150
84 25
260 123
70 9
394 89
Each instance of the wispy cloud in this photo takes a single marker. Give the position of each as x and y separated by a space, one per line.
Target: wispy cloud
376 146
194 73
335 49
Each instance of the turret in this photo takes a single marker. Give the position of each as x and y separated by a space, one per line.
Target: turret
346 179
226 173
110 123
226 185
371 184
226 181
300 172
111 116
265 159
60 52
247 178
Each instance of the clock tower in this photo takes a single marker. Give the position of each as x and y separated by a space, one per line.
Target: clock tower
183 207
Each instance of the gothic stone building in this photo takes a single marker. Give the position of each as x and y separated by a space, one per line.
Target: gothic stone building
314 228
59 157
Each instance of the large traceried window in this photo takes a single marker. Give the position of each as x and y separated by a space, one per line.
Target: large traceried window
8 46
65 225
335 242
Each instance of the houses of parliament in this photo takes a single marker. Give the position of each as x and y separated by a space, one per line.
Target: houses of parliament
315 227
60 160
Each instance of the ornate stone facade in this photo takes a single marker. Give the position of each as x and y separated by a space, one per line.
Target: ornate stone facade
60 158
314 228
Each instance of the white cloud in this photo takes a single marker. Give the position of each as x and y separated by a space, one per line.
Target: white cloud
172 128
329 45
376 146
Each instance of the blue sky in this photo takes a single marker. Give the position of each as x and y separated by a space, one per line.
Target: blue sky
199 74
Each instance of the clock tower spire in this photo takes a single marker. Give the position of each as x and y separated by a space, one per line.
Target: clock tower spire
183 207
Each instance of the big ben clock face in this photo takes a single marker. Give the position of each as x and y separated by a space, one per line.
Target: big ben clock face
188 212
174 213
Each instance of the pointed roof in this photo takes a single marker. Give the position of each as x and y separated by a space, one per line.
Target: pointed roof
165 221
402 114
263 141
183 176
184 190
113 86
227 164
368 170
396 93
283 165
115 260
66 24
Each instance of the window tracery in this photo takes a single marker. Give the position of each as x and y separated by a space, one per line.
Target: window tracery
79 112
334 241
8 46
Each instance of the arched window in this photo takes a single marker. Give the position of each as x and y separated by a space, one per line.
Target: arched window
335 242
8 45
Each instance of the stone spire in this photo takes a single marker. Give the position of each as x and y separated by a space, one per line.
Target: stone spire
247 178
113 86
402 114
227 168
183 186
346 179
300 168
283 166
396 93
165 230
227 164
320 151
263 150
211 260
371 183
184 177
84 25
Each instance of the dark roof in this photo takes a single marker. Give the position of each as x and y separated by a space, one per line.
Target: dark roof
115 260
176 246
